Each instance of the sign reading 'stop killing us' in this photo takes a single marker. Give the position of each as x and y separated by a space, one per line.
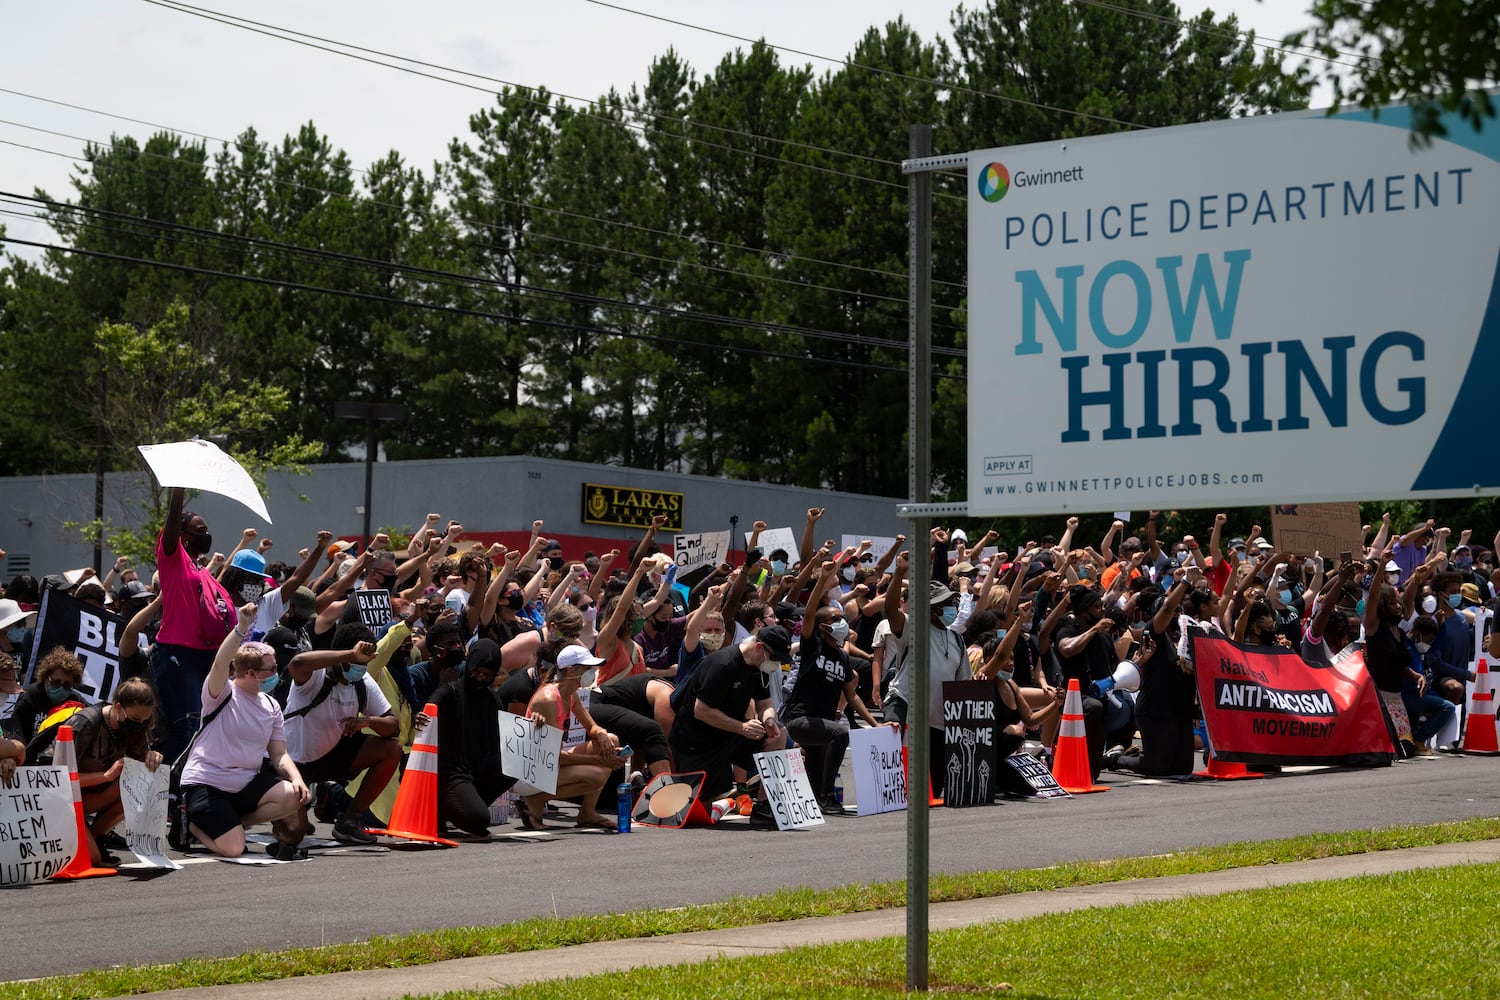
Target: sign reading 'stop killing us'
1198 316
630 507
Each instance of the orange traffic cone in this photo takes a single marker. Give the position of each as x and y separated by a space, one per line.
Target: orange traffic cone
932 800
1070 761
66 756
1479 731
1223 770
414 816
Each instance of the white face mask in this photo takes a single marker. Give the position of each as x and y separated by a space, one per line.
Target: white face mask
711 640
848 573
1004 675
1423 647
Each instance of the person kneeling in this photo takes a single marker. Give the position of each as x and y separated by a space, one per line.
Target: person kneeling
228 783
330 703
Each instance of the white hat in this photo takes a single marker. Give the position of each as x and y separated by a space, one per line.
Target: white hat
1262 544
1391 567
957 535
577 656
10 613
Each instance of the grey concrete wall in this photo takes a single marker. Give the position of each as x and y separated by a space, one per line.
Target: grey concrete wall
485 494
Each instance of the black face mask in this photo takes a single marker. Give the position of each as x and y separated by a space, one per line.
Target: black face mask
556 562
448 657
130 727
515 600
198 545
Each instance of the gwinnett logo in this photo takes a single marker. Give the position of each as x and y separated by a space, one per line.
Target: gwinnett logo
994 181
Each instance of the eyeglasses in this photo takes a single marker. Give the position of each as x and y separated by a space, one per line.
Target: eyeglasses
262 669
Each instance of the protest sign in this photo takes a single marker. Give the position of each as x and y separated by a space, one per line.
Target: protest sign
699 553
879 778
1023 774
374 607
200 465
788 790
968 743
577 734
1266 705
89 633
38 828
777 538
1328 528
529 752
879 544
143 792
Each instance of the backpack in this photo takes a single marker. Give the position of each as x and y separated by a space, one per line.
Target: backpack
329 683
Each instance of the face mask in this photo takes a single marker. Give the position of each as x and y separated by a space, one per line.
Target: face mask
1366 581
129 726
449 657
1000 633
1455 600
515 600
1393 578
16 635
848 573
778 566
474 684
589 676
1423 647
840 630
1359 607
1429 604
269 684
1464 563
1285 596
198 545
250 592
57 693
711 640
770 666
354 672
1083 573
1004 675
950 615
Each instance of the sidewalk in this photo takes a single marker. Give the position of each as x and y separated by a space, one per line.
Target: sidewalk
492 972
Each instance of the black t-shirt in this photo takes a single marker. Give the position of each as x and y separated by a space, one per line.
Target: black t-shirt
822 672
469 727
1386 657
1167 691
726 682
1096 662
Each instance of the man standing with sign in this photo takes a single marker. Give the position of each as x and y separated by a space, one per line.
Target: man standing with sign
714 731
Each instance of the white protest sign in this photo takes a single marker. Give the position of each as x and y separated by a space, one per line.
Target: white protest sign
38 828
788 791
1198 316
576 734
143 793
705 549
529 752
200 465
879 544
374 607
879 778
777 538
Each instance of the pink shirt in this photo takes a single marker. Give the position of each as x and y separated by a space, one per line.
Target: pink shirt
228 752
183 590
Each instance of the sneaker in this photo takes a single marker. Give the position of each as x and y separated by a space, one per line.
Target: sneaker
347 831
1112 757
760 815
830 807
286 852
1423 750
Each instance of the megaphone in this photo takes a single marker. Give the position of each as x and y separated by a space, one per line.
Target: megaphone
1127 677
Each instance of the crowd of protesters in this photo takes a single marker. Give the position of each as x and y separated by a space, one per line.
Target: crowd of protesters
284 705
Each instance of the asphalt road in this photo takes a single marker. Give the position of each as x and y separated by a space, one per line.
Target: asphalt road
212 908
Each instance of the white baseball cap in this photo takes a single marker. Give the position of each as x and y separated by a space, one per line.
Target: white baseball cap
577 656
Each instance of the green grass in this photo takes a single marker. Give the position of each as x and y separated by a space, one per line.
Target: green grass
788 904
1424 933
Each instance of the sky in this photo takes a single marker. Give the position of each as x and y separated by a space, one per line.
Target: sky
145 61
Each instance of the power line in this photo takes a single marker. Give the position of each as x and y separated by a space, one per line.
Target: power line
512 233
235 143
455 310
1224 33
436 274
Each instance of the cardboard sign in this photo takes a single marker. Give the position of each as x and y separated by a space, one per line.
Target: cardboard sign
879 778
699 553
777 538
788 791
1023 774
576 735
374 607
1327 528
90 634
38 829
969 763
1266 705
529 752
200 465
143 792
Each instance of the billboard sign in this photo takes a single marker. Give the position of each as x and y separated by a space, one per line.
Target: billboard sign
1292 307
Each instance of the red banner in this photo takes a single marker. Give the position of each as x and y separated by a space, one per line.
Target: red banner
1267 705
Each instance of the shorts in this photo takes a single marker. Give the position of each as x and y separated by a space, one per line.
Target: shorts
337 764
216 812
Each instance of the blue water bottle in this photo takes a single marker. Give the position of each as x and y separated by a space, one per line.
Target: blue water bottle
622 821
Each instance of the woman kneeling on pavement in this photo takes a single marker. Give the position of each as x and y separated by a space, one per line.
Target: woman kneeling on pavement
104 735
582 769
228 783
